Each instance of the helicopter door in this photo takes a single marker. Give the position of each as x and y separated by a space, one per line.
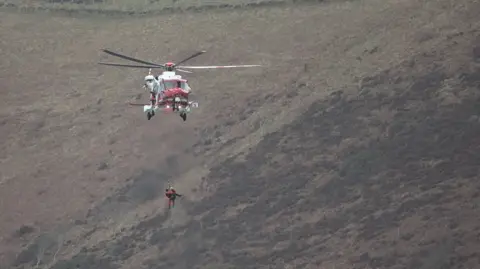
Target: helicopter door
186 87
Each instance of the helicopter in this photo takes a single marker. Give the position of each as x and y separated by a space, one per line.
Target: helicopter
169 92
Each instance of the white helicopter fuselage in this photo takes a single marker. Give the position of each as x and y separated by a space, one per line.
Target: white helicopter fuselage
155 84
169 75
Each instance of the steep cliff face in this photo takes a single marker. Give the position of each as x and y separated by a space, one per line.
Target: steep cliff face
354 148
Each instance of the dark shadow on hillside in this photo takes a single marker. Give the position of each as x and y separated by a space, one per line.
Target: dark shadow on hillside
367 172
145 187
386 178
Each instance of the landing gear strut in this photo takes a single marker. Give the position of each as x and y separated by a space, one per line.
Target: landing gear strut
176 100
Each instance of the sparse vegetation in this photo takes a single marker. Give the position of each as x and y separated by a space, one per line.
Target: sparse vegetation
143 7
356 147
24 230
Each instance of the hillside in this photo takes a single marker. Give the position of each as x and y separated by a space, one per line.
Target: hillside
355 147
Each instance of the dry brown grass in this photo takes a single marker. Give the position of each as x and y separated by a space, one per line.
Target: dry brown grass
131 7
70 147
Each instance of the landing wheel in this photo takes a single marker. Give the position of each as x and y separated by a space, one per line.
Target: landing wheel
184 116
150 115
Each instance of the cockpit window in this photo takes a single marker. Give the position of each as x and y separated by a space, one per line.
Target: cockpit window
174 84
169 84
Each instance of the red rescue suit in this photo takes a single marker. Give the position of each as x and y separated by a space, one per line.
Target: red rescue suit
171 194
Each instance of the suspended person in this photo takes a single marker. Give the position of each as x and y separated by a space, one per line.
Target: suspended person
171 194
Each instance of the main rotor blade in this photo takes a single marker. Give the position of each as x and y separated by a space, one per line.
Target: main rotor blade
219 66
130 58
184 71
131 65
190 57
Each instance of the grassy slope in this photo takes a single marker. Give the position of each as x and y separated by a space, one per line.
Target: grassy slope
349 158
135 7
